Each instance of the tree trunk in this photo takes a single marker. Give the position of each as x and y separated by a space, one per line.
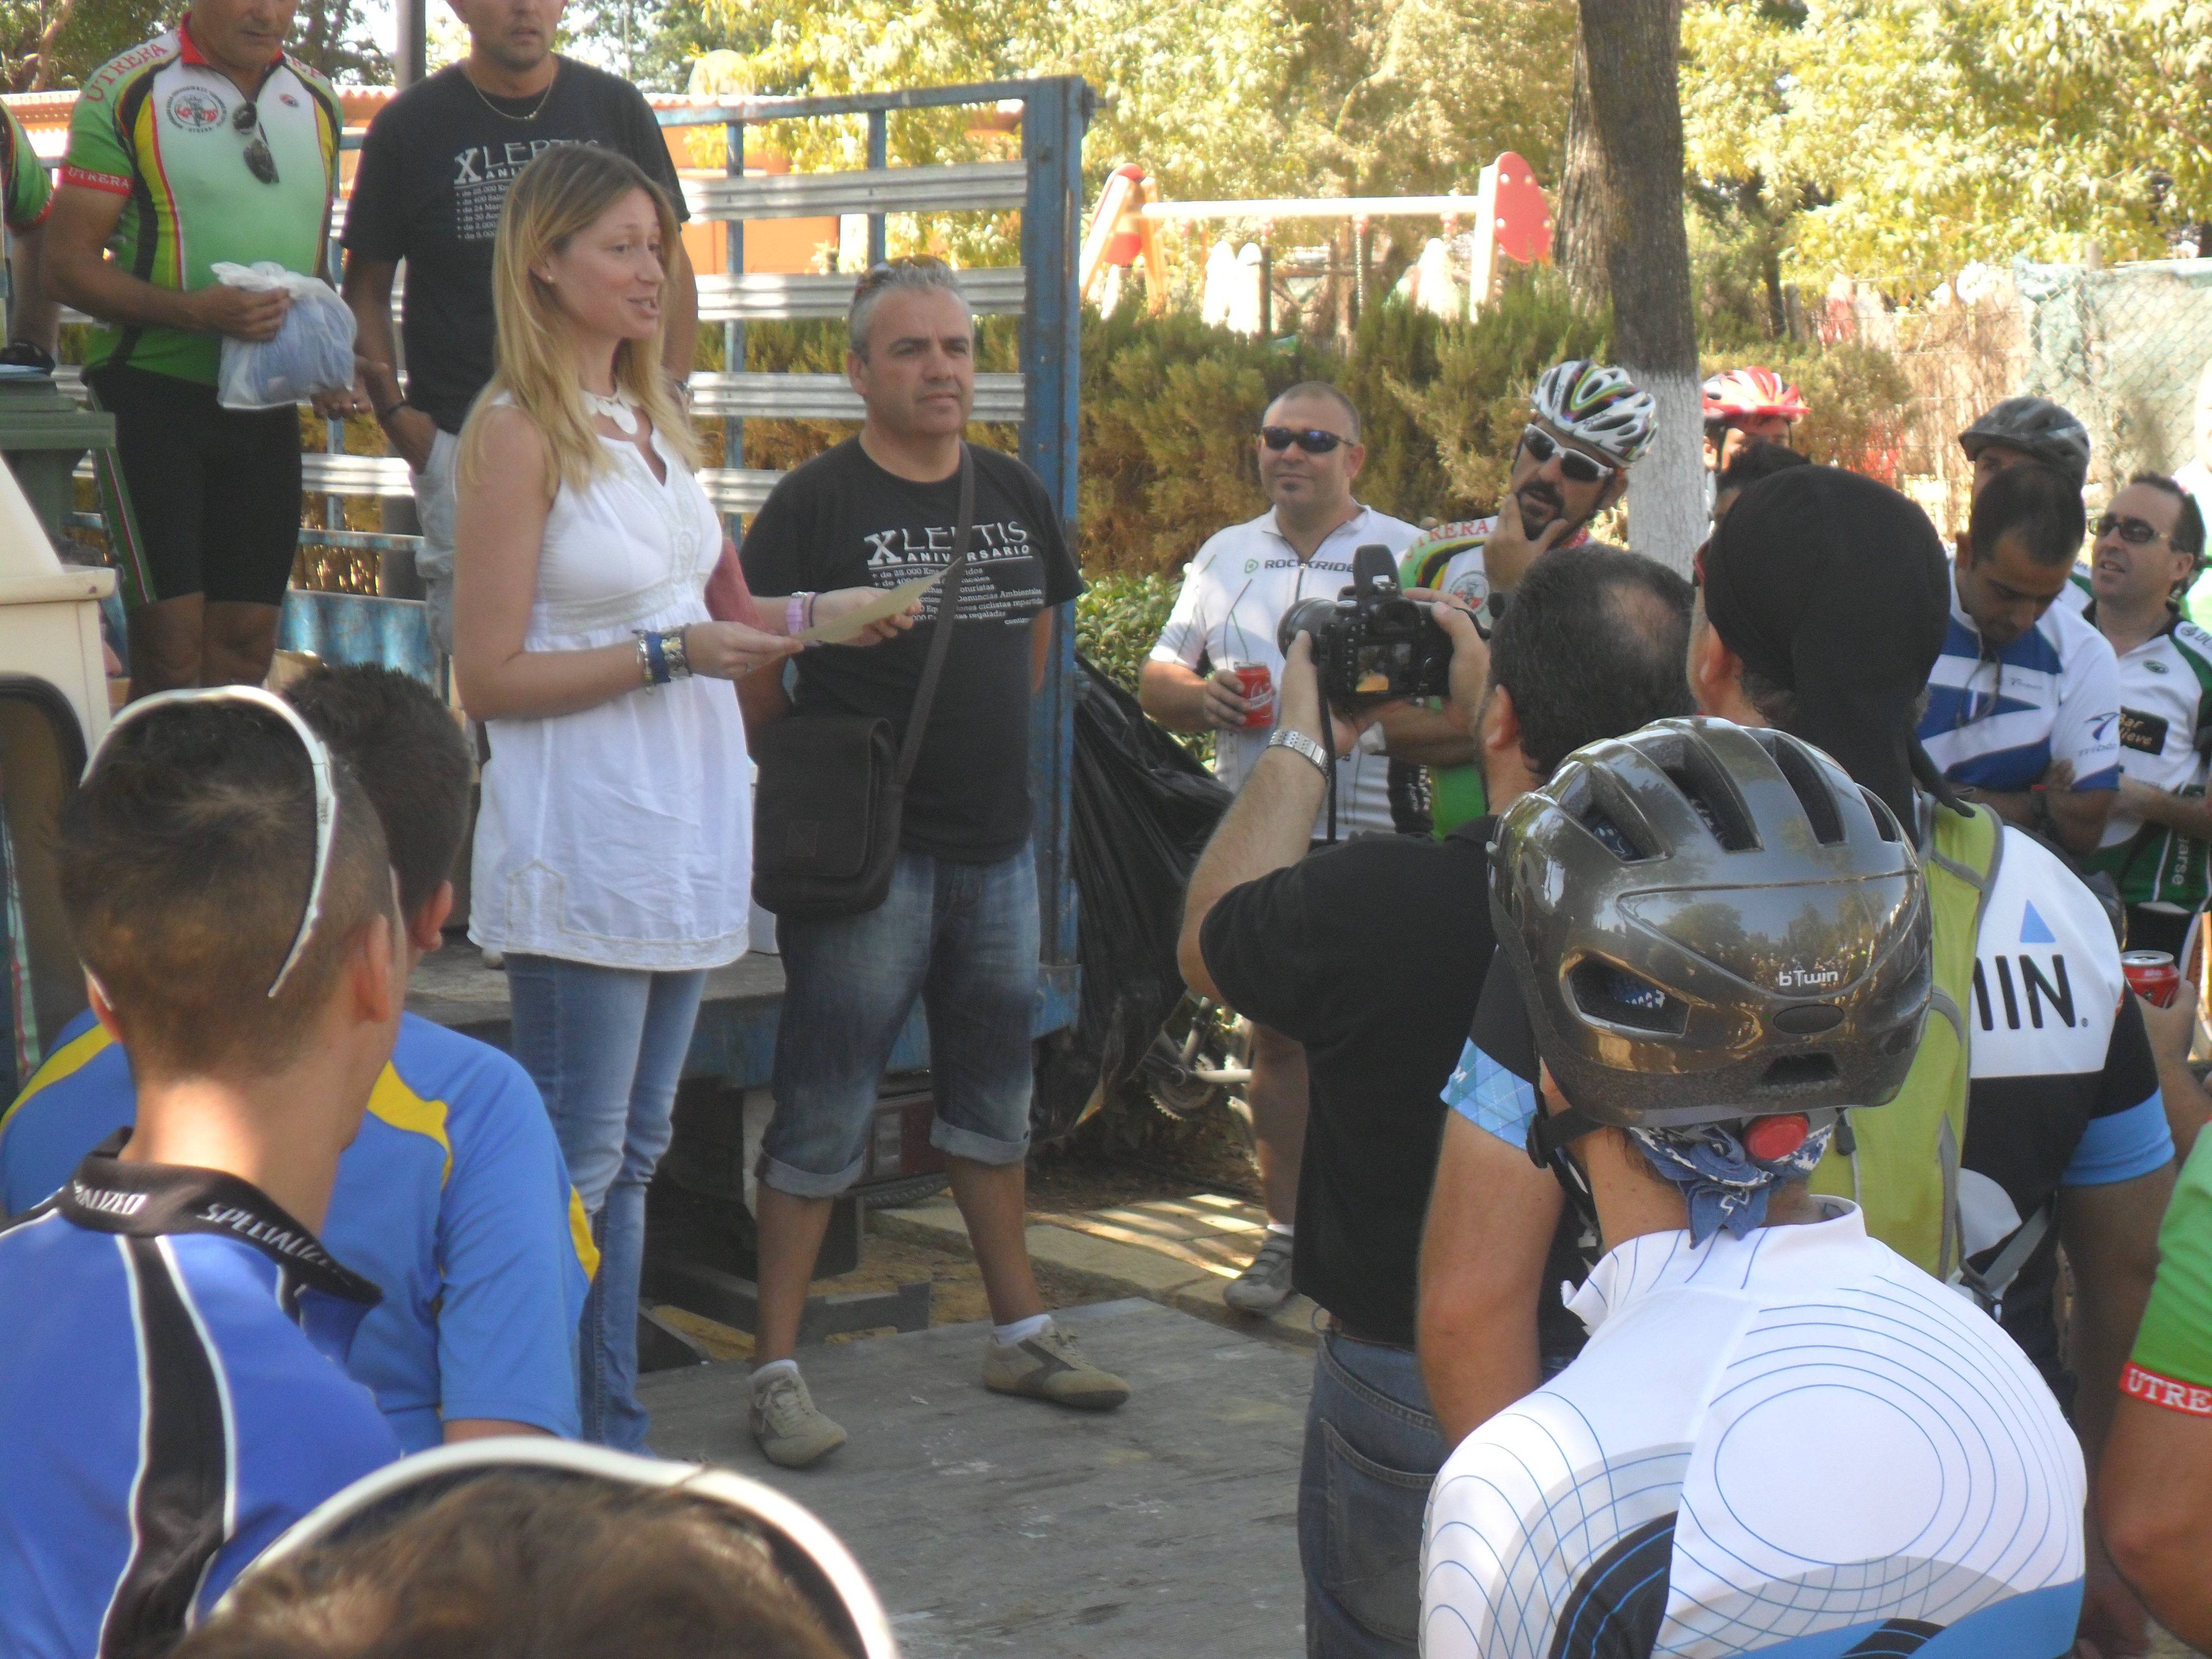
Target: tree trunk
1636 112
1585 199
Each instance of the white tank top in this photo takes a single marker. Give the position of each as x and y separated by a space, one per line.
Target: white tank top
621 835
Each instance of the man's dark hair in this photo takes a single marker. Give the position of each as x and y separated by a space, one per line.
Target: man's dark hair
1592 645
185 865
2037 505
1756 461
406 747
1328 393
524 1563
2188 522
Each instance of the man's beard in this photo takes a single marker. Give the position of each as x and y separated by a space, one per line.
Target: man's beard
1540 505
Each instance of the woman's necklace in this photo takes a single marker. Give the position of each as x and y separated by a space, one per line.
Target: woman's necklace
501 114
621 409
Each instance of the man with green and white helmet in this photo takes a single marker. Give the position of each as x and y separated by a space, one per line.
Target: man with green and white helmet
1589 423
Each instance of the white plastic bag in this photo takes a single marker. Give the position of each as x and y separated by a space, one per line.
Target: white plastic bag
312 352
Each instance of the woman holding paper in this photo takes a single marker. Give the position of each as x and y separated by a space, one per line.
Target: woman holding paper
613 861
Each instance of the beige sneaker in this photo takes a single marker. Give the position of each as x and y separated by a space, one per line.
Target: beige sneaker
792 1432
1048 1366
1265 1284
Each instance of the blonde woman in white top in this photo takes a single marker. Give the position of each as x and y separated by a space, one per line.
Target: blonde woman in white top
613 862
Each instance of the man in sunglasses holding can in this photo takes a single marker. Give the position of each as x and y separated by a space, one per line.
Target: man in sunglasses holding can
1216 669
207 144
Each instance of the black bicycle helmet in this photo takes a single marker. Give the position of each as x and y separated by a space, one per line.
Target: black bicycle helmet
1710 924
2036 427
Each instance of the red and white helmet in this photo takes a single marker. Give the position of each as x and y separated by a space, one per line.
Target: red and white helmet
1751 394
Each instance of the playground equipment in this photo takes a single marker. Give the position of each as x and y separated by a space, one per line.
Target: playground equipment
1508 215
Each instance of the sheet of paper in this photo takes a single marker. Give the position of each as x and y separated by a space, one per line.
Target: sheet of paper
892 601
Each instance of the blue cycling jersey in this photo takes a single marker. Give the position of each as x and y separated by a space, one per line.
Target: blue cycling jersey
453 1200
170 1352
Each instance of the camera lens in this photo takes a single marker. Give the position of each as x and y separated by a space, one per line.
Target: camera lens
1306 617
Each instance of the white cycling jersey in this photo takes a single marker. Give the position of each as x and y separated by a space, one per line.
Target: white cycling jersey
1233 594
1792 1444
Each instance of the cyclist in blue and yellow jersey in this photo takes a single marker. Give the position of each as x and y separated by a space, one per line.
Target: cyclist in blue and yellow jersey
454 1198
207 144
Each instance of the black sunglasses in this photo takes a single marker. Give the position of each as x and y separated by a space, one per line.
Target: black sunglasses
2135 533
1310 439
246 118
1573 464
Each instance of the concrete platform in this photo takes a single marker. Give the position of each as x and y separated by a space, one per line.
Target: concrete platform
1179 1252
1002 1526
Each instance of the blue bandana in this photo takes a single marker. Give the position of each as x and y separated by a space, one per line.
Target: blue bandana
1725 1185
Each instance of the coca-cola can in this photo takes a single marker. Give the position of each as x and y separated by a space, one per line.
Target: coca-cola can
1257 687
2152 976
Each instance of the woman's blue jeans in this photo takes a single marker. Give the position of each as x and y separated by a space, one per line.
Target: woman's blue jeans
605 1047
1372 1452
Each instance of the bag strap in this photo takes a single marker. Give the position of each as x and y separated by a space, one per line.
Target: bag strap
940 638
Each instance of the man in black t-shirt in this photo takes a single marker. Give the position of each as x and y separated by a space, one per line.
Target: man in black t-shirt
959 930
1373 956
435 171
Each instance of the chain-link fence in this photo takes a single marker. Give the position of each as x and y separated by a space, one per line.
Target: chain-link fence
2124 348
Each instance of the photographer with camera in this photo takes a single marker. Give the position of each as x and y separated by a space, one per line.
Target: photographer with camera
2036 1120
1215 669
1372 956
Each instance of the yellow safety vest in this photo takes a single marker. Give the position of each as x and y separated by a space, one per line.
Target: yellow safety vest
1904 1172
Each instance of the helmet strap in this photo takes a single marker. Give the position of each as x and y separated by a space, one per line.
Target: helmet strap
1550 1133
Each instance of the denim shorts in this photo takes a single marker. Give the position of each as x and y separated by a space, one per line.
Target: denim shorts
962 938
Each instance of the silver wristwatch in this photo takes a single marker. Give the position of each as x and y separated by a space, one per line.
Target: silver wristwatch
1299 742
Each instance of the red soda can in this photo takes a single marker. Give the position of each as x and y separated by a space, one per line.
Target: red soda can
2152 976
1257 687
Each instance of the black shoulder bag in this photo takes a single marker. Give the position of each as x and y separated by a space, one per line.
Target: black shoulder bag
827 806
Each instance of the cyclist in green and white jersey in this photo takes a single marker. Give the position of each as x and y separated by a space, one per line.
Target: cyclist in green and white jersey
1589 423
26 198
207 144
2157 844
2155 1484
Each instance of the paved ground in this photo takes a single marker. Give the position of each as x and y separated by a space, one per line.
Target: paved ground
1177 1251
997 1526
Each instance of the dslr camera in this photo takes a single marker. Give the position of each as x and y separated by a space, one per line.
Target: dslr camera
1372 644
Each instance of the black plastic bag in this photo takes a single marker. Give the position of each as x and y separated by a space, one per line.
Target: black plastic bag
1143 811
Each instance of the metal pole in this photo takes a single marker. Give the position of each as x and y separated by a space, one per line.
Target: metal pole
1267 286
411 60
879 132
1054 118
734 333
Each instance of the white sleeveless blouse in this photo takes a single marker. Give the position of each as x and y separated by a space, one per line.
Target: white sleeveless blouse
621 834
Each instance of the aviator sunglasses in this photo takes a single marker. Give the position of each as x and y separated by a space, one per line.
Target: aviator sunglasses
318 762
2135 533
1573 464
245 118
1312 440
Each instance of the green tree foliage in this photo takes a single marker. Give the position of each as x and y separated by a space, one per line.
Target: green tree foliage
1474 408
1916 135
55 44
1216 97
